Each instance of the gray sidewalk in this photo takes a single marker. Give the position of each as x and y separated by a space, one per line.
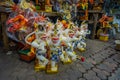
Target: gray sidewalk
102 63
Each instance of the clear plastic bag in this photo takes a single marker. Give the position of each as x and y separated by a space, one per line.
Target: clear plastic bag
19 24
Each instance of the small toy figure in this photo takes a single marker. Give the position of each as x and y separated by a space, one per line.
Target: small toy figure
64 41
66 9
81 34
81 45
40 44
83 4
105 27
25 5
70 45
84 29
56 52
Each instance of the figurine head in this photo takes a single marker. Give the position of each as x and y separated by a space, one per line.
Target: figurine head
42 36
71 33
84 26
54 38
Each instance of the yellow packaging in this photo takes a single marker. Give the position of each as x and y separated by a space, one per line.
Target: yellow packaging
104 37
48 8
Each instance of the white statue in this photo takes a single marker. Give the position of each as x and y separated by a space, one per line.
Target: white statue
40 44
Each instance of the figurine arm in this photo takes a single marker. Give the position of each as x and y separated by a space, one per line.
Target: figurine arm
27 37
35 44
74 39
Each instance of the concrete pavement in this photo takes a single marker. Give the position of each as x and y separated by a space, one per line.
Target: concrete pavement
102 63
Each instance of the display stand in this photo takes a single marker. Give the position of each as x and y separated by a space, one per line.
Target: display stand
4 17
50 13
96 14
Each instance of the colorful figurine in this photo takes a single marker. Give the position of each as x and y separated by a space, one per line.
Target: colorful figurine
41 52
105 27
56 51
70 45
64 40
50 42
25 5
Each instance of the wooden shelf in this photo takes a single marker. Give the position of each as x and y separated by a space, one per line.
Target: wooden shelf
60 14
90 21
95 11
50 13
92 11
5 10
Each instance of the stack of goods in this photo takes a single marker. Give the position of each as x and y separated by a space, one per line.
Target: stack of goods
47 42
108 29
57 42
96 4
19 25
83 5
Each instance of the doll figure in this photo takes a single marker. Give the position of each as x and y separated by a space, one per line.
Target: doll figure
81 45
84 4
64 39
40 44
70 45
84 29
25 5
56 52
72 33
81 34
66 10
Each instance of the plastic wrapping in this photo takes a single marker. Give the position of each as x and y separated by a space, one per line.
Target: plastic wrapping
19 24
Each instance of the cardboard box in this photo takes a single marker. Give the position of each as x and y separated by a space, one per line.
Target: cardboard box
24 55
